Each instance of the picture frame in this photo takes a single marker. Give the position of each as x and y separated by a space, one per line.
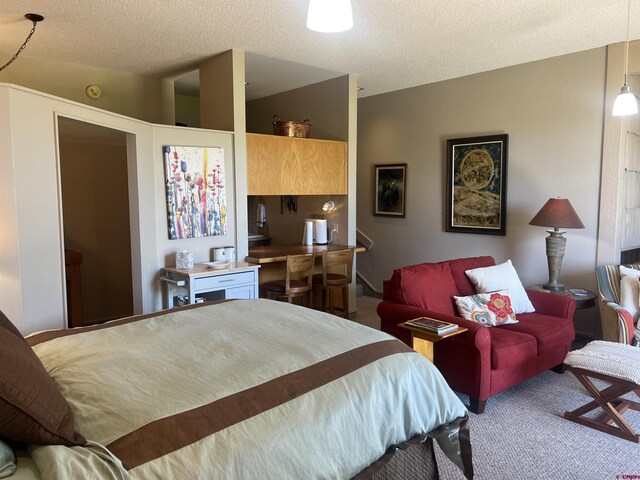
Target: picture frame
476 190
195 189
389 187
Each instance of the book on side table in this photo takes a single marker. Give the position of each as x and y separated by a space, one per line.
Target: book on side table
431 325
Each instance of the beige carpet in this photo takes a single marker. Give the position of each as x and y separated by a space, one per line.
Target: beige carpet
366 314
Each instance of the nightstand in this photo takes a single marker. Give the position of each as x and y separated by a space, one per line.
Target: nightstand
586 300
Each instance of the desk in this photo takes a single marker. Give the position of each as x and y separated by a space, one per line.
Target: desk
278 253
238 280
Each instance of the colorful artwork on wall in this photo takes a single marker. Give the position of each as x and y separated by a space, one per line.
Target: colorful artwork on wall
196 194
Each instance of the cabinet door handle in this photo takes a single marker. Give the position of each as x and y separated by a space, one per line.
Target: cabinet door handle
228 280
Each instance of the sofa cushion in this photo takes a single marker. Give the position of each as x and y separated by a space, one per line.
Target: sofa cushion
550 332
489 309
460 265
510 348
501 277
429 286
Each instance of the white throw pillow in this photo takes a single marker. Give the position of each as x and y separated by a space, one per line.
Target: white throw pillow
629 295
502 277
629 272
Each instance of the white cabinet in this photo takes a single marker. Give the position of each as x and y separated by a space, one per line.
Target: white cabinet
237 280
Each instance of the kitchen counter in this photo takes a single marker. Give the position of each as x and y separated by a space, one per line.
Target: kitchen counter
278 253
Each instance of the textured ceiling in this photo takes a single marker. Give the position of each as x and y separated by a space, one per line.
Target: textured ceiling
394 43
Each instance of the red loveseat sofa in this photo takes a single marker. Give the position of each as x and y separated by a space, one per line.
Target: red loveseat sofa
484 360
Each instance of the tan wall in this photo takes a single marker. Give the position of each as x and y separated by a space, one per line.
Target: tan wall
286 226
135 96
96 223
188 110
326 104
553 112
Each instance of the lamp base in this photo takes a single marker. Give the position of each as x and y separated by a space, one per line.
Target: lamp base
553 287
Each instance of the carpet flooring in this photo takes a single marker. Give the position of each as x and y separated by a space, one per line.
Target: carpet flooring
522 434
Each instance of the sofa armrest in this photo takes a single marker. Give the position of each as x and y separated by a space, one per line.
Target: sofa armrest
391 314
549 303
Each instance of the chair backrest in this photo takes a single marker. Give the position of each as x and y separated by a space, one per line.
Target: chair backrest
339 260
608 277
300 268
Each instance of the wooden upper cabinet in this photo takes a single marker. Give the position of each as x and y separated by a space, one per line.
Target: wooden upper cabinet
295 166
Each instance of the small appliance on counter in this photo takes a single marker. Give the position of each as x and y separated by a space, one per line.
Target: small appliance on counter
315 231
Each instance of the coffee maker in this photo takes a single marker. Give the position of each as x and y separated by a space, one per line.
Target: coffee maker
315 231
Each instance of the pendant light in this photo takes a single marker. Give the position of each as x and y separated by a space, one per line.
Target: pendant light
34 18
329 16
626 103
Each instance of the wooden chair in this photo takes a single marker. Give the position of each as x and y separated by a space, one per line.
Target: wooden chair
297 281
336 275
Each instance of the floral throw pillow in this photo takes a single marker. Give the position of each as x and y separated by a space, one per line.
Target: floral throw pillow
489 309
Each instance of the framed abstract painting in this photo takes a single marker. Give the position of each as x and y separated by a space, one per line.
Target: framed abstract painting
195 191
477 184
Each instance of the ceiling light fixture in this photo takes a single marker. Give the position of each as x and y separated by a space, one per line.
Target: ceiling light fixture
329 16
626 103
35 18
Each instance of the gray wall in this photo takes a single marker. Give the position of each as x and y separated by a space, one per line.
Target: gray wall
553 112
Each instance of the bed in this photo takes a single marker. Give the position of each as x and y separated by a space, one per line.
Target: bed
237 389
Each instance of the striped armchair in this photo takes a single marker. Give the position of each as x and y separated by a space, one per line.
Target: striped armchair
617 323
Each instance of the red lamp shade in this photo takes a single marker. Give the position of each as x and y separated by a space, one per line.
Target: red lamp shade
557 213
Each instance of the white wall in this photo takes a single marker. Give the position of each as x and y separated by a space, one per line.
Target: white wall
31 257
201 247
553 112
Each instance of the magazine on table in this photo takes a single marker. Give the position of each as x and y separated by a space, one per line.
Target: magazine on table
432 325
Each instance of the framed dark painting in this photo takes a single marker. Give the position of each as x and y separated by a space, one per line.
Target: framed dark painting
389 189
477 184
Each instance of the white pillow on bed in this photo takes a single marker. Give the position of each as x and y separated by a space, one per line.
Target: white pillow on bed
7 460
501 277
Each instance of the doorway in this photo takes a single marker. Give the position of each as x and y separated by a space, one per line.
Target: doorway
96 223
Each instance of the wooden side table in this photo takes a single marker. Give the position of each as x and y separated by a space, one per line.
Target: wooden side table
423 340
588 300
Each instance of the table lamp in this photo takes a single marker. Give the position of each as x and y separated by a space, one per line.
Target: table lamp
556 213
